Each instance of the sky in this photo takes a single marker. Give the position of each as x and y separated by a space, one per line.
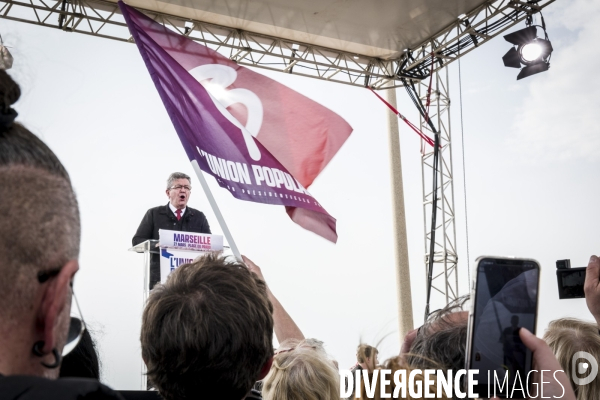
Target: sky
529 182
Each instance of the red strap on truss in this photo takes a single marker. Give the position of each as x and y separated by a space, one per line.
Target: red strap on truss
403 118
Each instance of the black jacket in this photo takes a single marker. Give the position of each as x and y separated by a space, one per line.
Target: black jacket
36 388
162 217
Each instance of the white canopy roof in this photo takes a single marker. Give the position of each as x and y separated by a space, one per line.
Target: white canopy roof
374 28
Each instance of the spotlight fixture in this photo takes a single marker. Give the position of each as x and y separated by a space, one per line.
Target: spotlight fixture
530 52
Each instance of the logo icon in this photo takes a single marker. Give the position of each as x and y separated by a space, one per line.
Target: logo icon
579 367
216 79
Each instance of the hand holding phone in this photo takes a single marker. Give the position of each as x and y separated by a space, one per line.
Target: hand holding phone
559 386
544 359
504 299
592 287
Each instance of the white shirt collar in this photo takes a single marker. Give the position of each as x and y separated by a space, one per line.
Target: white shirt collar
175 209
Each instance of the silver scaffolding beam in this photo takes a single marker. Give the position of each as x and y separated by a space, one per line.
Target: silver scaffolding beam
444 283
102 18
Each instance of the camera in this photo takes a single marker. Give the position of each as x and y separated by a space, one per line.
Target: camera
570 280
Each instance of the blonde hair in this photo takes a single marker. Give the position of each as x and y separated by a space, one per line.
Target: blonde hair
365 351
567 336
302 371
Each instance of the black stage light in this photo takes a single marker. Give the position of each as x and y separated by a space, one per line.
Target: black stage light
530 52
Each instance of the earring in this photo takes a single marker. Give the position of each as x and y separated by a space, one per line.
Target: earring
37 350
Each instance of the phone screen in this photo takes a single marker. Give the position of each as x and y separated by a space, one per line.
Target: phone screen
505 301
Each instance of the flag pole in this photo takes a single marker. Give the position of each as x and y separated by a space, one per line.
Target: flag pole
215 208
405 314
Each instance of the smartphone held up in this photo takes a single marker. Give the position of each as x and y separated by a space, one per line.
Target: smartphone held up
504 299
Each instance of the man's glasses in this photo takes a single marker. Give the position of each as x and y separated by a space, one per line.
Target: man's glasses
179 187
76 325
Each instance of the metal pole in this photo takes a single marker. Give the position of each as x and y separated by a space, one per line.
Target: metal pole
405 312
217 212
145 294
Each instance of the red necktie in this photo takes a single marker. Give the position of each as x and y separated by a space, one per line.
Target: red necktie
178 214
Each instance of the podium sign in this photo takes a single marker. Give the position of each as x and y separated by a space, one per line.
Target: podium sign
177 248
189 240
170 259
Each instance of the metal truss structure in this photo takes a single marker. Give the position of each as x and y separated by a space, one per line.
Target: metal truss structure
103 19
414 66
444 274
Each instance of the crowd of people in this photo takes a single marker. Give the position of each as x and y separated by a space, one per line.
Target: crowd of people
207 332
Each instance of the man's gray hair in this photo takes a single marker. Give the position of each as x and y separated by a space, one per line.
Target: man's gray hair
176 175
441 341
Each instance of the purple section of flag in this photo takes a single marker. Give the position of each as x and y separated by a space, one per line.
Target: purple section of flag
218 145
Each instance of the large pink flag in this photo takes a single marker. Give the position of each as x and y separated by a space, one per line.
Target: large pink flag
250 132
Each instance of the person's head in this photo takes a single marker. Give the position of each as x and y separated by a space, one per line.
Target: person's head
39 246
179 189
82 361
568 336
441 341
367 356
302 370
208 331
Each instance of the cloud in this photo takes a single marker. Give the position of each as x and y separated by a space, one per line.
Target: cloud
559 115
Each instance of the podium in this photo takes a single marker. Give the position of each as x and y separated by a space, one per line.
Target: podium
147 248
174 249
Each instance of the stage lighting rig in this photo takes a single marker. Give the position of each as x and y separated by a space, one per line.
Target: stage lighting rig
530 52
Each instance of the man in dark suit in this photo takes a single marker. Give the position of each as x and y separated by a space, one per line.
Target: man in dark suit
175 216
